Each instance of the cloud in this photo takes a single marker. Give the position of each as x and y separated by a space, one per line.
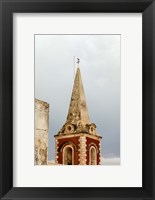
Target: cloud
110 161
104 161
100 71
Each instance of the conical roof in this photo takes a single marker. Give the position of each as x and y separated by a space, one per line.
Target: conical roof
78 119
78 107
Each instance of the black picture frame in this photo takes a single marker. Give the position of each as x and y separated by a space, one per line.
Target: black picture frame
7 8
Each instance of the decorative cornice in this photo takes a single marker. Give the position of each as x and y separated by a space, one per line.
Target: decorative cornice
78 135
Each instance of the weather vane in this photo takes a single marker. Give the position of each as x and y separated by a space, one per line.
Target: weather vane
78 61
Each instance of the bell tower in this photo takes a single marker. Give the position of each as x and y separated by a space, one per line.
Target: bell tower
77 142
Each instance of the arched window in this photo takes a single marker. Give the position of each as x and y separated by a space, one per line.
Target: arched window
68 155
92 156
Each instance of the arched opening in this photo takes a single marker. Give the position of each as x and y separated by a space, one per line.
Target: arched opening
92 156
68 155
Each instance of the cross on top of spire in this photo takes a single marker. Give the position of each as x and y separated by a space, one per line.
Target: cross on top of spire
78 61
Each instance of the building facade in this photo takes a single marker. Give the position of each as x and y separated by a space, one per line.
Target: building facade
41 132
78 143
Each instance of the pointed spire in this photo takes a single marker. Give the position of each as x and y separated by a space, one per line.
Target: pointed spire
78 108
78 119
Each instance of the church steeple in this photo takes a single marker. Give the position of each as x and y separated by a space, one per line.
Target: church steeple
78 108
78 119
77 142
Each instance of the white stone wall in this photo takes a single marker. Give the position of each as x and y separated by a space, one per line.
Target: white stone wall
41 132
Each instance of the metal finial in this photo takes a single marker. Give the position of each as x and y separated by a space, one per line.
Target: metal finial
78 61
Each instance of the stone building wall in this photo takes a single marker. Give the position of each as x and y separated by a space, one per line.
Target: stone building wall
81 145
41 132
95 143
61 143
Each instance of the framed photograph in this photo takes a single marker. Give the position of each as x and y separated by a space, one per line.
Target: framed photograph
77 141
77 99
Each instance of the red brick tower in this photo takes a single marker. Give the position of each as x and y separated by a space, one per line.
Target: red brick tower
78 143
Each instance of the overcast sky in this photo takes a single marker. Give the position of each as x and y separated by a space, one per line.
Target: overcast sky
100 71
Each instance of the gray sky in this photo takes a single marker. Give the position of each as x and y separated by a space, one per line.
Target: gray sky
100 71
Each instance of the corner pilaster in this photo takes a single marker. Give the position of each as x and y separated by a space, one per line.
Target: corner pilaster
56 150
82 150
